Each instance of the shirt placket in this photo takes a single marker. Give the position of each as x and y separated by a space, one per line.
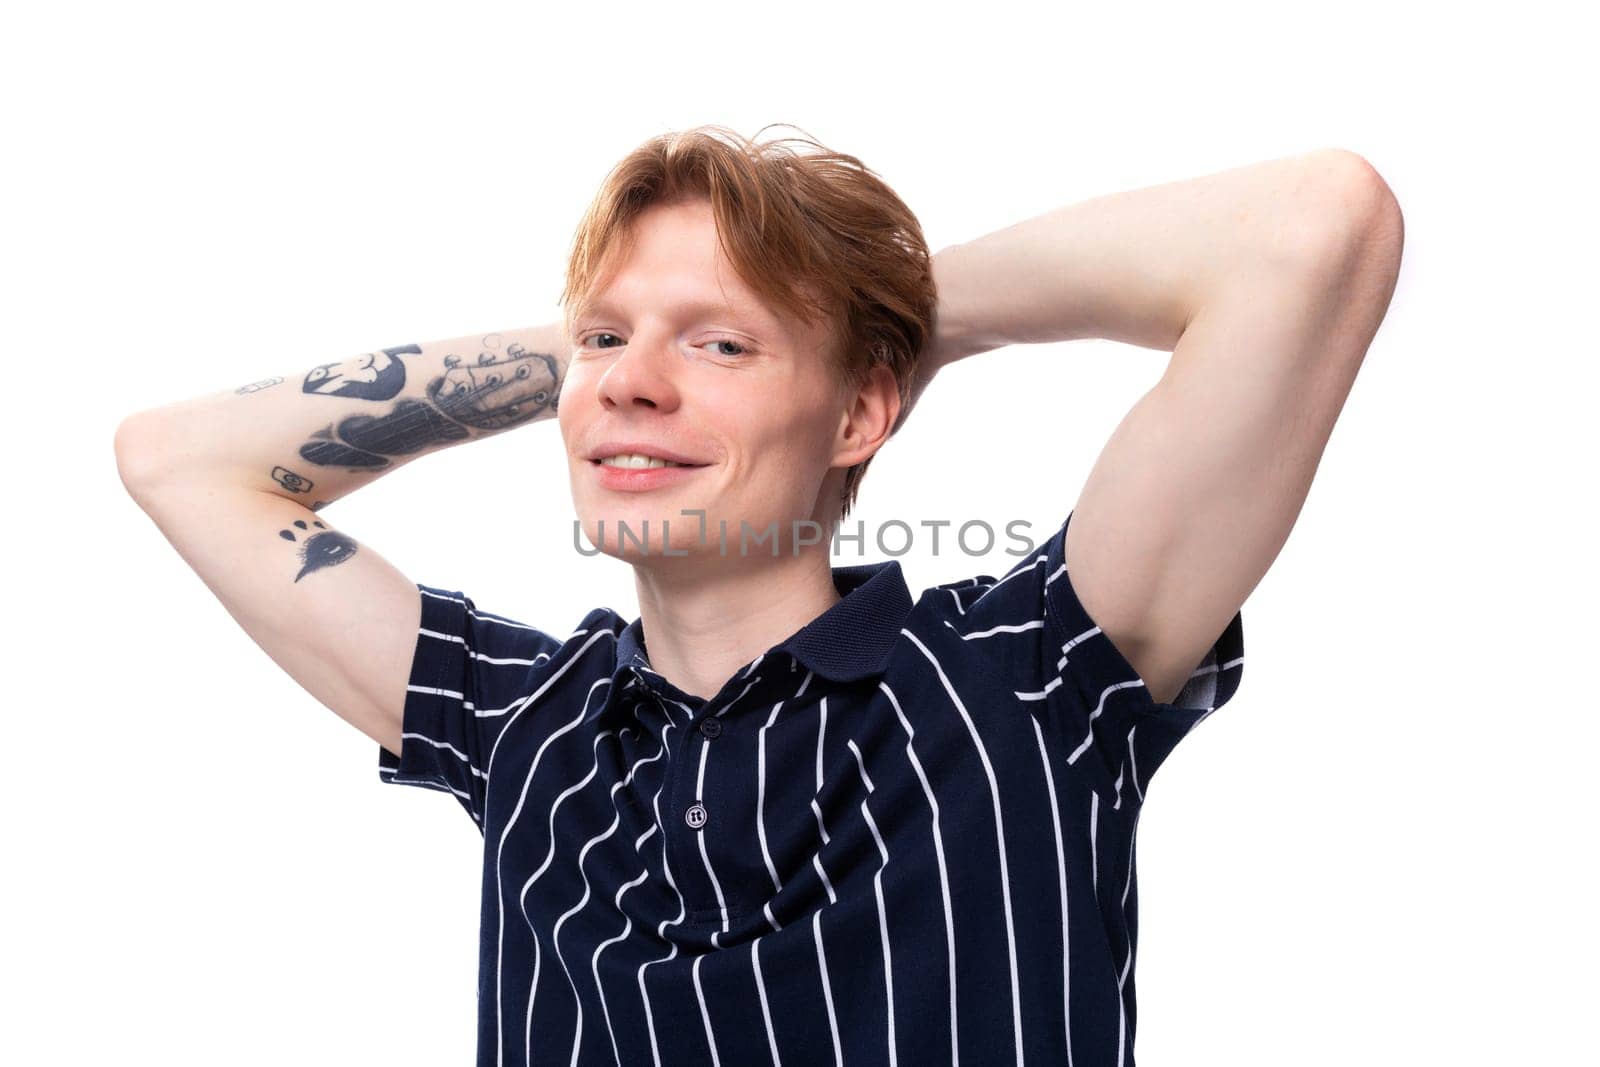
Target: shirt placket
694 794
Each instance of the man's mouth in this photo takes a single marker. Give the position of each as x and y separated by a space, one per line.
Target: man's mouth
635 461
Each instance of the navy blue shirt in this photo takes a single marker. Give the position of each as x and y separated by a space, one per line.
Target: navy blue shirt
903 835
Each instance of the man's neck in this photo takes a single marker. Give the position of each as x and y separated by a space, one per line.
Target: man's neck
705 620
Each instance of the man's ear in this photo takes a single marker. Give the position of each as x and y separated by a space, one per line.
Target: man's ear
869 418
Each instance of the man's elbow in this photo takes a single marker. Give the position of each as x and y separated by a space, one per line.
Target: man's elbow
1356 218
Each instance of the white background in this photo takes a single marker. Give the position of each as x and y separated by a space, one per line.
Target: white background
1379 852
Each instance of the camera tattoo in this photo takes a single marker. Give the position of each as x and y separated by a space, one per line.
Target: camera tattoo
292 481
500 390
328 548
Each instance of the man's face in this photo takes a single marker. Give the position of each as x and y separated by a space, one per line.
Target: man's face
677 355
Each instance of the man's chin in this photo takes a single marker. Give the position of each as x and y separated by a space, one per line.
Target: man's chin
663 557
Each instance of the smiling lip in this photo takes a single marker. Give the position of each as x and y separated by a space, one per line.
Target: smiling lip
606 449
638 479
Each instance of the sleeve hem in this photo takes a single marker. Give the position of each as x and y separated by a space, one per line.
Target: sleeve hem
1113 695
442 612
1213 683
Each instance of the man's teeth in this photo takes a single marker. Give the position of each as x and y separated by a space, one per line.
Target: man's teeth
636 461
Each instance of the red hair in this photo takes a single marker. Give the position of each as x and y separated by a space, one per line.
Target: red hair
813 233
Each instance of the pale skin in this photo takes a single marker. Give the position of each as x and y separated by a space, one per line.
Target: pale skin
1267 284
646 368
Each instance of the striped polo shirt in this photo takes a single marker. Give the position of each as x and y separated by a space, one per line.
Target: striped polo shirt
903 835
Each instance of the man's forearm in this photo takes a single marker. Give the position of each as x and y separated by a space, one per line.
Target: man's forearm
320 434
1134 266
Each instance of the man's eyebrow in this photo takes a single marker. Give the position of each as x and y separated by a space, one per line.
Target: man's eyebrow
698 307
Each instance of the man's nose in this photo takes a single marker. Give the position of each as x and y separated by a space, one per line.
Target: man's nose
644 373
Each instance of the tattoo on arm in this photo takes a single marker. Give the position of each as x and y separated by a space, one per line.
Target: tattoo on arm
360 442
256 387
500 390
292 481
323 548
497 391
369 376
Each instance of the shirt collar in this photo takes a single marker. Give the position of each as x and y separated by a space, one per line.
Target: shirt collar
848 642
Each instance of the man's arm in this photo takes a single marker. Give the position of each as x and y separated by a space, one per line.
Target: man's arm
318 435
233 480
1267 283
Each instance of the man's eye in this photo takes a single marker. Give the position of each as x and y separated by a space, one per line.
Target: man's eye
724 341
742 349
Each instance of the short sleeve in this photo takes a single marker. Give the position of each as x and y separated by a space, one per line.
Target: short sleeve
1089 689
469 673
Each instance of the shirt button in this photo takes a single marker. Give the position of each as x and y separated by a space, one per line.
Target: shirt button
711 727
696 815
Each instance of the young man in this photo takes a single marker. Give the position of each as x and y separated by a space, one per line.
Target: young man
792 813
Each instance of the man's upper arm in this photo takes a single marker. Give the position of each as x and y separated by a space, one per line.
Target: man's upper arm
1197 489
338 617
